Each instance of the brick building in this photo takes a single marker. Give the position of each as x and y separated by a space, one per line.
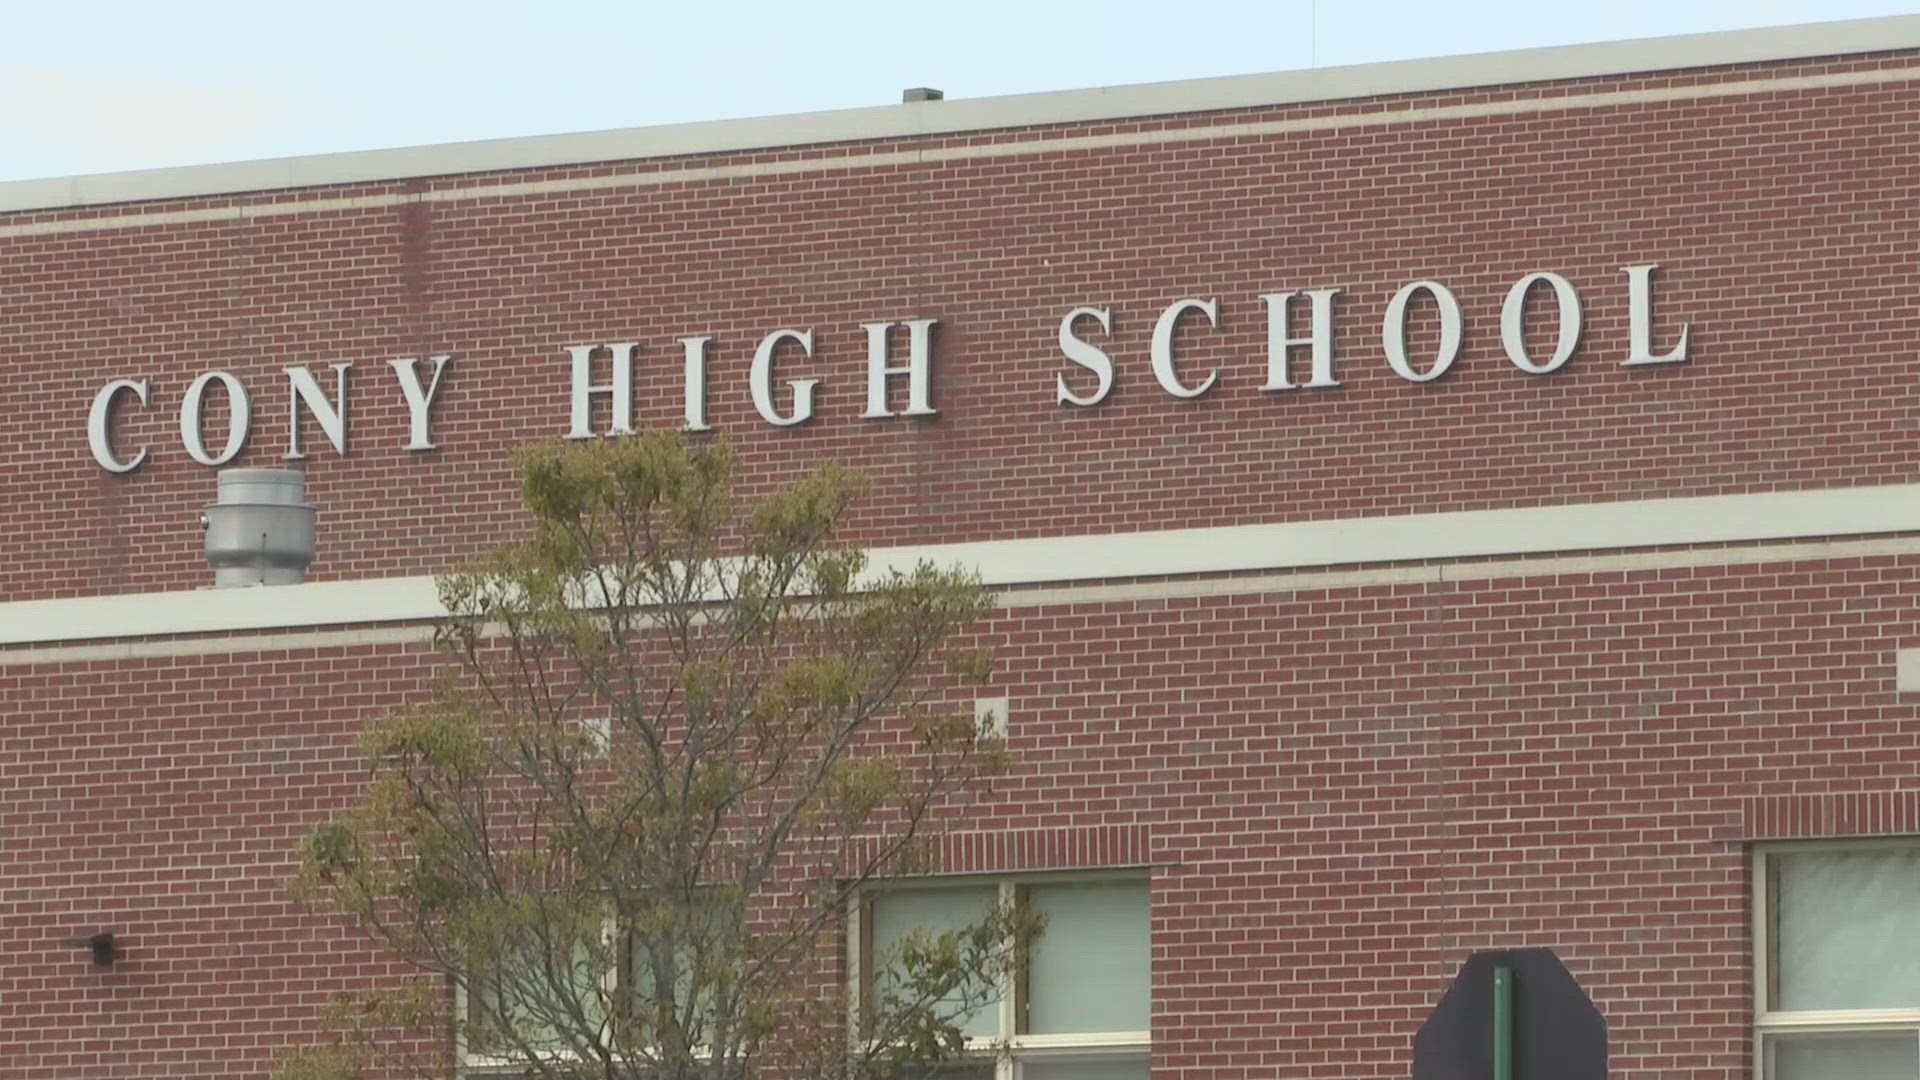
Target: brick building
1434 506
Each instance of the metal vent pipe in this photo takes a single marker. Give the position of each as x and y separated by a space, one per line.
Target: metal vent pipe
259 529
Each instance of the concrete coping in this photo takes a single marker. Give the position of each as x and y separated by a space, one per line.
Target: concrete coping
922 118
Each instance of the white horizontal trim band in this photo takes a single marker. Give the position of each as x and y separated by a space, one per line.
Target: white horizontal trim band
1178 588
1712 519
651 176
977 114
1862 1019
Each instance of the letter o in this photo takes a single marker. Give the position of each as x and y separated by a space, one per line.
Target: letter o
1393 331
240 418
1512 322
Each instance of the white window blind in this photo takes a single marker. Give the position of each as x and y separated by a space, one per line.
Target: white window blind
1089 969
1848 926
539 1000
1864 1055
935 911
695 941
1132 1067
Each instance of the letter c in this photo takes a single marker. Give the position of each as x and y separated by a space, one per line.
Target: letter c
99 439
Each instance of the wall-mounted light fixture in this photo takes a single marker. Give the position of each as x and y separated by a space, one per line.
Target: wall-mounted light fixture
105 952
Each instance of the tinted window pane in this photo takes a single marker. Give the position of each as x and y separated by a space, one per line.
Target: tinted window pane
1848 929
1089 970
1862 1056
1107 1067
973 1070
936 911
683 953
949 1070
540 1001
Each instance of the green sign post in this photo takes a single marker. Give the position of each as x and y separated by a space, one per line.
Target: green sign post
1503 1023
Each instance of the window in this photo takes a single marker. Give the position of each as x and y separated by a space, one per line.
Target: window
545 998
1076 1009
1837 942
686 954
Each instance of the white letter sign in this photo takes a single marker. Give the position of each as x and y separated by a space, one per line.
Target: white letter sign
239 418
1163 347
305 389
1640 320
917 371
762 376
1393 331
621 388
419 403
99 421
1086 378
1319 336
1091 357
1513 323
695 377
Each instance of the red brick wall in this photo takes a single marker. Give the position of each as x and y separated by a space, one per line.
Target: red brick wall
1342 793
1783 224
164 800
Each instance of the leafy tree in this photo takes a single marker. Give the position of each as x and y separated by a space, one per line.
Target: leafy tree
621 836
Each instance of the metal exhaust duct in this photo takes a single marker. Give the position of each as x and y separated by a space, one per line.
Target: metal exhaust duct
259 529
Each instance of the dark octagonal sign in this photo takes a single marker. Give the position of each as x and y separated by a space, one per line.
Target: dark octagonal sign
1557 1033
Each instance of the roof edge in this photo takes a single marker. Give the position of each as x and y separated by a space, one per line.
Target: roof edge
1805 41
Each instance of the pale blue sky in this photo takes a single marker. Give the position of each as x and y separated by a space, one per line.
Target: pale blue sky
111 84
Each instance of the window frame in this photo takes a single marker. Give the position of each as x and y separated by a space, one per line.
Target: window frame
1011 1046
1770 1022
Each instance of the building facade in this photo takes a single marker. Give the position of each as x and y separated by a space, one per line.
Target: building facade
1433 507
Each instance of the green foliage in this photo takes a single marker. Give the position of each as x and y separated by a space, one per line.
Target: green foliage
673 739
929 981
